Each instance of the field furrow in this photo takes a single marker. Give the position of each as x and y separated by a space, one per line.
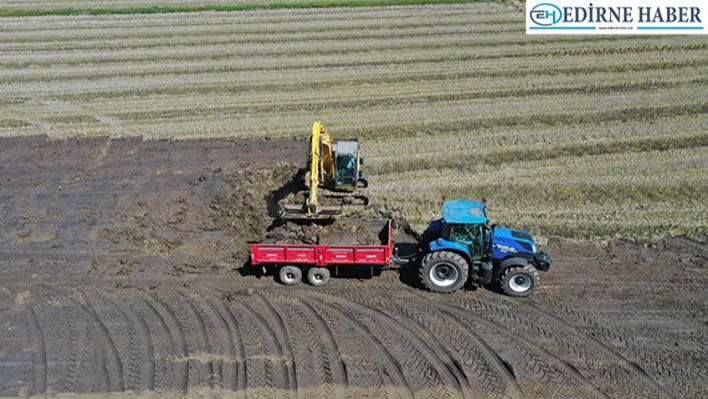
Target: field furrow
605 132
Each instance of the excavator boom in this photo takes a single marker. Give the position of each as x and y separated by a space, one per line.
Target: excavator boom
314 182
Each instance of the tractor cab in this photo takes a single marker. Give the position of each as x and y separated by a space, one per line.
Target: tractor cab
463 228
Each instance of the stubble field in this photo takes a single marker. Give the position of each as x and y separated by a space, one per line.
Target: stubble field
580 136
123 235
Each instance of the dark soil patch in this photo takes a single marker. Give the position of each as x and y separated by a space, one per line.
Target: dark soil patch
343 231
118 263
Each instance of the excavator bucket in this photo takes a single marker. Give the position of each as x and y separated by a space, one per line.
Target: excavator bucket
298 207
330 204
299 212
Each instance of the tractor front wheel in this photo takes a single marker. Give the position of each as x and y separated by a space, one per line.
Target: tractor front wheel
443 271
519 281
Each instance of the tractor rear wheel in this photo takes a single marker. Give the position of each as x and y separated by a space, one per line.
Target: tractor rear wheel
519 281
318 276
443 271
290 275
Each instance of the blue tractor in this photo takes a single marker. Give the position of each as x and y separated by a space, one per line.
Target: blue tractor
461 246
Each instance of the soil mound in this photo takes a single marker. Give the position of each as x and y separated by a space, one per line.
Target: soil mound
246 209
340 232
247 205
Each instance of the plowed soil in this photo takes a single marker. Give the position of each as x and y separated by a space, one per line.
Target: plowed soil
121 271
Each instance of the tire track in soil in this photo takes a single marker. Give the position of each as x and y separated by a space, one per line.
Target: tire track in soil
256 363
353 373
57 339
686 372
661 361
584 318
264 362
205 345
178 347
104 346
360 347
312 349
126 340
633 367
337 367
561 338
159 341
77 354
479 364
238 382
38 382
280 336
429 373
142 346
528 359
307 354
85 326
672 366
627 287
222 343
388 365
192 329
7 314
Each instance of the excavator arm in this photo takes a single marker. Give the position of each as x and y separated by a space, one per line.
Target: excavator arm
314 179
321 166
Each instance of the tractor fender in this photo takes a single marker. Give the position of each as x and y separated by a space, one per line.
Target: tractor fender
514 261
442 244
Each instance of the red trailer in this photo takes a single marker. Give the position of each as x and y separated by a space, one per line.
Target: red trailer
318 261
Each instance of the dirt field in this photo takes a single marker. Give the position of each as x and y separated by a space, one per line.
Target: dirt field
120 261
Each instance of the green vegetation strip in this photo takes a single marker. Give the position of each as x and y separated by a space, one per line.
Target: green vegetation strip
231 7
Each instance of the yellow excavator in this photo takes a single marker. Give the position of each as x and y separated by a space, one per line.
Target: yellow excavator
334 166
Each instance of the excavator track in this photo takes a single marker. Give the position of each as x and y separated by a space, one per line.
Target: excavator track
349 199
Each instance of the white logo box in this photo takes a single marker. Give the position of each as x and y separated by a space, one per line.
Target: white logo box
617 17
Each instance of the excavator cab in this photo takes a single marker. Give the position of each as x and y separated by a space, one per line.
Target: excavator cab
346 155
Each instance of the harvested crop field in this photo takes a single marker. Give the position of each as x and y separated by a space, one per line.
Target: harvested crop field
140 154
103 4
120 263
580 136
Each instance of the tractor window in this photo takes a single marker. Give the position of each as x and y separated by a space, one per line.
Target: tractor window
469 235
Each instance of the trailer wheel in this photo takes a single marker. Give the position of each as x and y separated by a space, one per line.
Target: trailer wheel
443 271
290 275
519 281
318 276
